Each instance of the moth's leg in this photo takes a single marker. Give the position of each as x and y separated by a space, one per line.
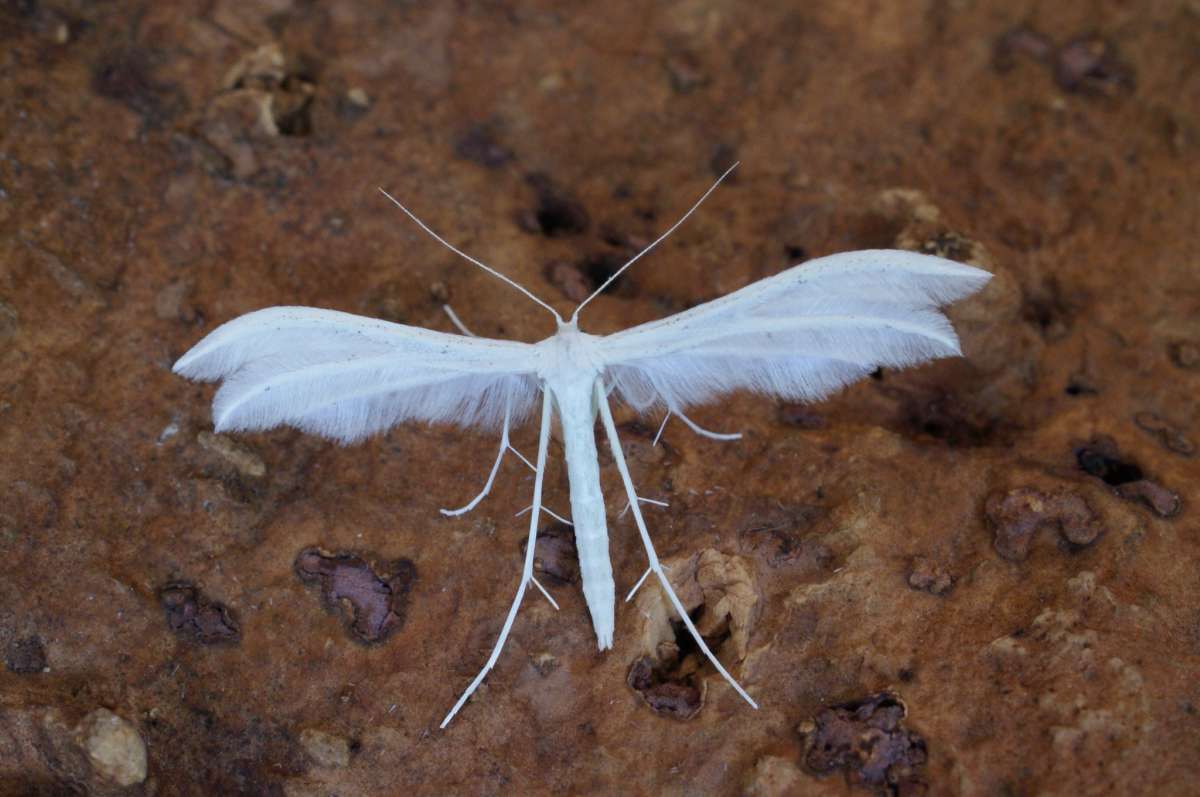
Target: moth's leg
621 514
639 583
549 512
700 430
527 571
614 442
505 446
661 427
454 319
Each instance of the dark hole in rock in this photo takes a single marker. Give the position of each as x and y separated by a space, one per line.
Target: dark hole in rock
377 601
676 700
555 555
556 214
25 656
866 739
599 267
670 685
1079 386
479 145
1113 471
795 253
877 374
191 613
1016 516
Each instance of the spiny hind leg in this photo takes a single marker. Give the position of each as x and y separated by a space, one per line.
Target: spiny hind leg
526 572
614 442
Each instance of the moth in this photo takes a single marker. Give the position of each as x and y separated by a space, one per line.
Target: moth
798 335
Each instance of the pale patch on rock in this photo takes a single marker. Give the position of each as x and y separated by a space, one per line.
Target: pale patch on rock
773 776
325 749
114 747
242 458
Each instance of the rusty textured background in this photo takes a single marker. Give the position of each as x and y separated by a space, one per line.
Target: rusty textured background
976 577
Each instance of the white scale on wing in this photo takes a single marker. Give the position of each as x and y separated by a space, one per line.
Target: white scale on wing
799 335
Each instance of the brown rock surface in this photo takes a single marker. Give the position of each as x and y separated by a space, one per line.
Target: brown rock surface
165 167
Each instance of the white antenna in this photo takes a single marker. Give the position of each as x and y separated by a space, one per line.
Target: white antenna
657 241
465 256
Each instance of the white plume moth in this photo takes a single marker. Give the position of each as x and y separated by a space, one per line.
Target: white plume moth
798 335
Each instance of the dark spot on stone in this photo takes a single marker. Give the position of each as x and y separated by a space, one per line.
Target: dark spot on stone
478 145
1100 457
801 416
1047 309
556 214
678 700
928 575
1016 516
599 267
906 675
191 613
631 244
292 106
555 555
377 601
945 417
1091 65
866 740
25 656
877 374
125 76
795 253
685 72
1167 435
579 280
723 157
1080 386
1020 42
1184 354
788 536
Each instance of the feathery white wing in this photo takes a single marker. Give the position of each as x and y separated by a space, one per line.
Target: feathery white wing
800 334
346 377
